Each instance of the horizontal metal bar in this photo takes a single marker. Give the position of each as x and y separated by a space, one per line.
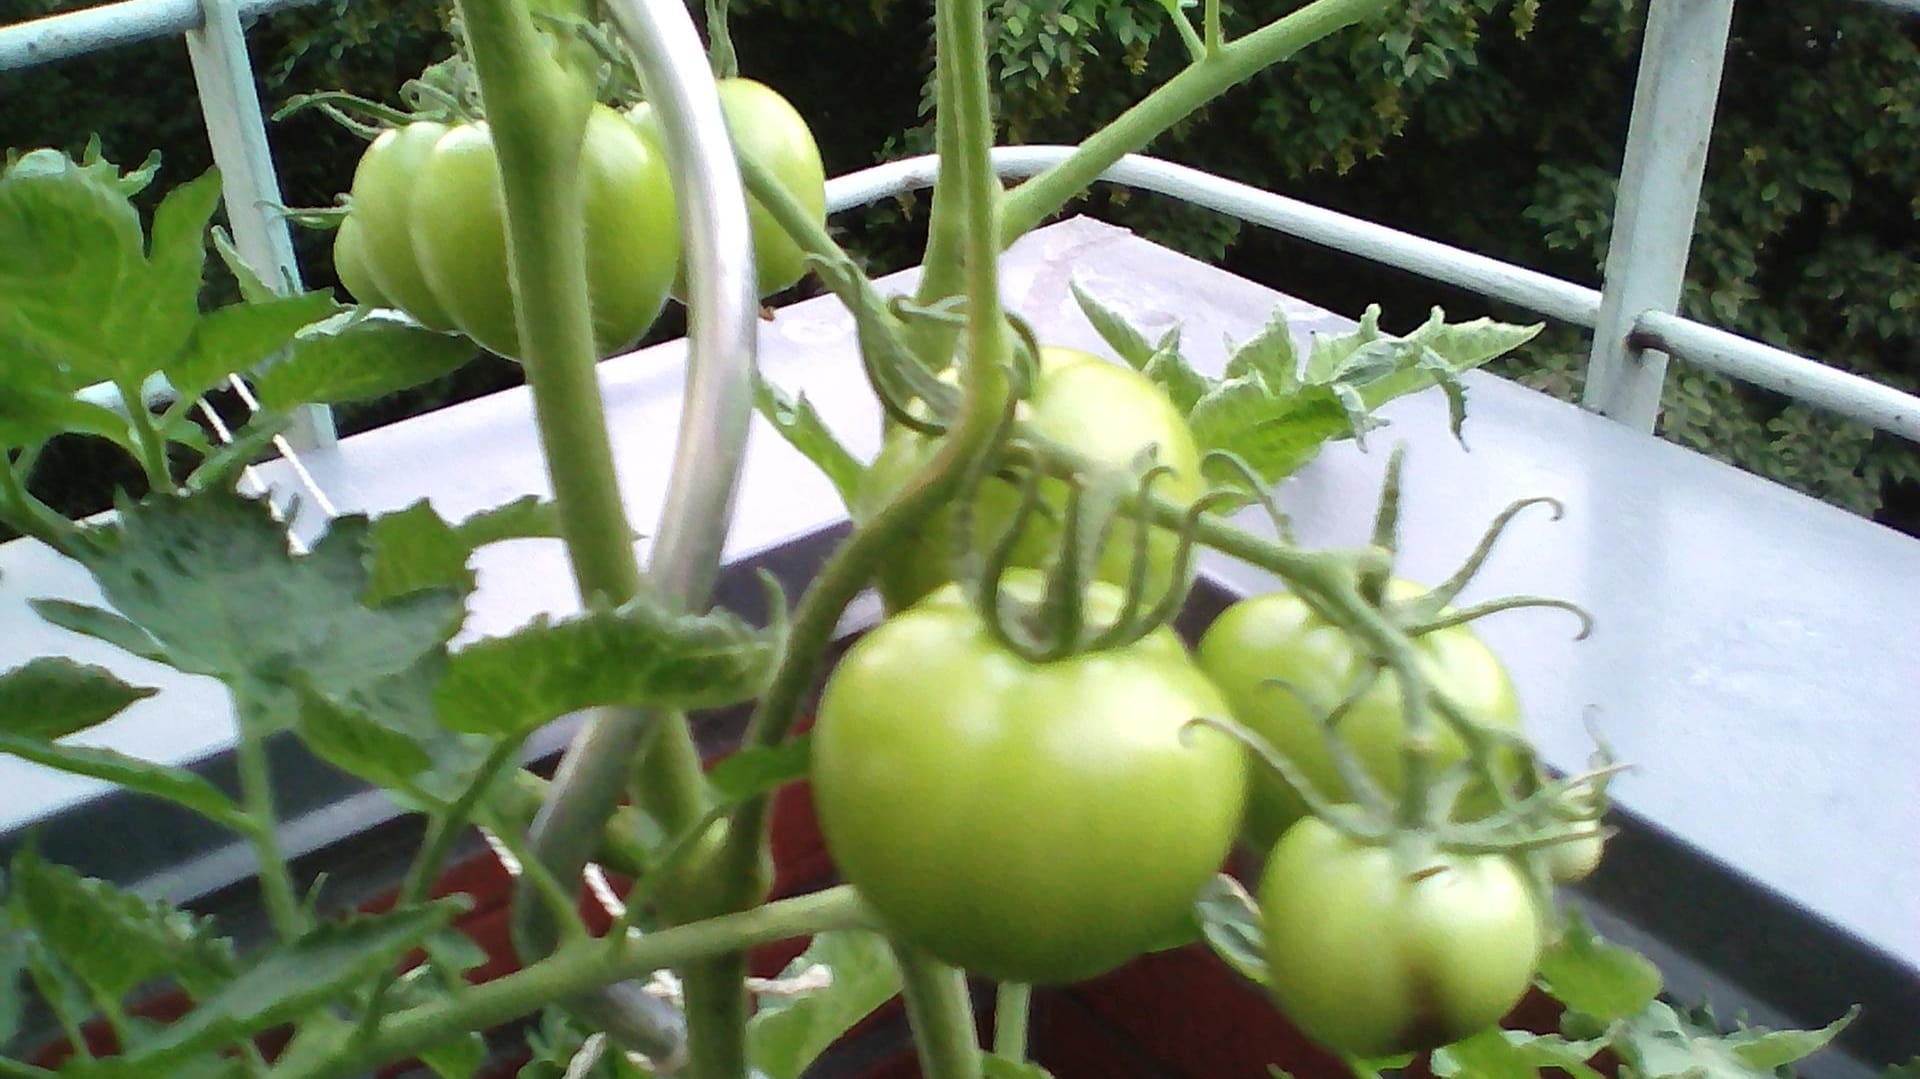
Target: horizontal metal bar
1817 384
1530 289
57 37
1802 379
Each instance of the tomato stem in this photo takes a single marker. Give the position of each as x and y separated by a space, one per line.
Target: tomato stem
579 968
288 918
941 1014
150 448
1011 1005
1225 65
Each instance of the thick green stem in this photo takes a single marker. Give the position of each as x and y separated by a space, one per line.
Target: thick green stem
579 968
446 826
946 224
1224 67
150 448
28 515
289 920
1010 1009
537 111
717 1008
941 1014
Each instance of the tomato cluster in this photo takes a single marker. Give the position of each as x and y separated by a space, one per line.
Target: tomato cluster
1046 821
426 231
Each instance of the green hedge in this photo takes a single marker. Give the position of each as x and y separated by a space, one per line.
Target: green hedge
1485 123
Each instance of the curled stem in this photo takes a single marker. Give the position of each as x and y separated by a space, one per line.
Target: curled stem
1443 593
1509 603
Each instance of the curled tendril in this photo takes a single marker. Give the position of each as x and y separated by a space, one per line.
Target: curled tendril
357 114
1386 519
1360 786
1011 633
1139 564
1364 827
1509 603
966 553
1246 480
951 311
1026 375
1444 593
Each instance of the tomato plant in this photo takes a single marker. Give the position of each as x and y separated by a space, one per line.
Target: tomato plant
1110 416
428 224
1015 772
766 127
1283 669
1374 951
1033 822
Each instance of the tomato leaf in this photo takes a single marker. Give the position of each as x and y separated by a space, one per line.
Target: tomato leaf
352 358
1274 413
1230 924
416 549
176 785
1268 357
387 731
1660 1042
30 415
13 972
804 430
112 940
526 517
1515 1054
70 241
211 579
790 1032
1125 341
285 983
1594 977
640 655
222 465
52 697
759 770
237 338
101 625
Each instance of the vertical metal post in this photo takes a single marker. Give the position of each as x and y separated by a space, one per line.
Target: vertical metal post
237 130
1658 197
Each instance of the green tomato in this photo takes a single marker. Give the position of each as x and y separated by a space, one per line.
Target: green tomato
1039 823
1371 954
1276 638
383 189
459 233
1107 413
1574 860
764 126
350 265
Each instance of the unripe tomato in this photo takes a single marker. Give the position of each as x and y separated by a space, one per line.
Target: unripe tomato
764 126
1039 823
350 265
459 233
1371 955
1273 638
383 189
1107 413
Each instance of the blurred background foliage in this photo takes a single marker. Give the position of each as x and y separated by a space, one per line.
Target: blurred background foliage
1491 124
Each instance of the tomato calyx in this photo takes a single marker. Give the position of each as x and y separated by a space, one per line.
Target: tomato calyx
1432 608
